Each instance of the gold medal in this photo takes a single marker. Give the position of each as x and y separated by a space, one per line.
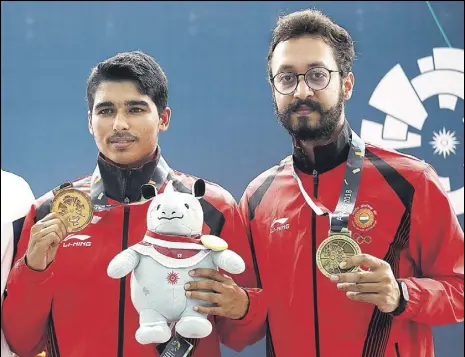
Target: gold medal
73 205
333 250
214 243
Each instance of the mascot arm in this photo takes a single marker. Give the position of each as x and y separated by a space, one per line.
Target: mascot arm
229 261
124 263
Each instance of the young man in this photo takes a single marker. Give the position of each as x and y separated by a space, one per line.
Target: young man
60 296
17 199
337 204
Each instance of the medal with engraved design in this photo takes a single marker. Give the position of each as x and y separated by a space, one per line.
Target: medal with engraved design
73 205
333 250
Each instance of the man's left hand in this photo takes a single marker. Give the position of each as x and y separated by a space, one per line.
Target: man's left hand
232 301
376 286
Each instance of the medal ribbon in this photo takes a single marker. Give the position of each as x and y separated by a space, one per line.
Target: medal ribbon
349 190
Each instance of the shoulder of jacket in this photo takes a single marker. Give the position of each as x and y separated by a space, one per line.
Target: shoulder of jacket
407 165
268 174
214 193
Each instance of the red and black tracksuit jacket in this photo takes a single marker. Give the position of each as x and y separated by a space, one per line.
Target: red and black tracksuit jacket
74 309
402 215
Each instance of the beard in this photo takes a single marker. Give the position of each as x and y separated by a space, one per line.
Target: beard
303 128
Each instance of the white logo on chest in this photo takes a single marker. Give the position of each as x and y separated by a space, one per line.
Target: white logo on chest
76 240
279 225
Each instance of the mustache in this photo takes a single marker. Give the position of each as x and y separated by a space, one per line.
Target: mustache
312 105
122 136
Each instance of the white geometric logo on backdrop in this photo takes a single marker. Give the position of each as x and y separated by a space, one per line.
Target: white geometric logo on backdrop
401 99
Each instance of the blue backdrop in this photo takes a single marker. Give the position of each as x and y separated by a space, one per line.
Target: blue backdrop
409 88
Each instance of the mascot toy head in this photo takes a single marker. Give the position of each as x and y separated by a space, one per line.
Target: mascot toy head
175 213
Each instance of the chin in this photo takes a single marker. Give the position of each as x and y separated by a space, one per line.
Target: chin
308 122
122 158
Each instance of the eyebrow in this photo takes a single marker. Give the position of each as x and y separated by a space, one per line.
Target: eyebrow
142 103
128 103
290 67
103 104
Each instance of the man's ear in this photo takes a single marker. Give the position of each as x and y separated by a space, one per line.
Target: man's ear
348 85
165 117
89 123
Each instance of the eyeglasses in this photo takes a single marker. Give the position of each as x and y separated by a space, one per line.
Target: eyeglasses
316 78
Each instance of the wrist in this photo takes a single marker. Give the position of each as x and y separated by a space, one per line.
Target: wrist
26 274
31 267
247 299
402 300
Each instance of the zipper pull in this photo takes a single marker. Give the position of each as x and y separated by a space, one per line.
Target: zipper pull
315 177
126 201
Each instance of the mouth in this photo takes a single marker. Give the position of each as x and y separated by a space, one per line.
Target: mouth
302 110
121 144
171 218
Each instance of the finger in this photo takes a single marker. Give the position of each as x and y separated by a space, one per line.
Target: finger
366 260
208 273
208 297
54 228
371 298
356 277
37 227
48 217
55 216
210 310
205 284
41 225
362 288
58 222
49 240
64 223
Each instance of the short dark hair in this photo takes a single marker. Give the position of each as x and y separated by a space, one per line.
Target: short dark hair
134 66
314 23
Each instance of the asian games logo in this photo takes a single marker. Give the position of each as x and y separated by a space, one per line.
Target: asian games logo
408 103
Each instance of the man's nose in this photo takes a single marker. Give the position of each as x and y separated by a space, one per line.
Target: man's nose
303 91
120 123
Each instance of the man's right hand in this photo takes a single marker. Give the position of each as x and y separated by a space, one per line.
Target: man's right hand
46 236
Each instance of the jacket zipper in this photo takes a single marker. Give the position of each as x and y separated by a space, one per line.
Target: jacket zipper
314 269
122 284
396 345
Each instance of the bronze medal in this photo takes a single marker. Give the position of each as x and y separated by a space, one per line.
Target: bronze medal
333 250
73 205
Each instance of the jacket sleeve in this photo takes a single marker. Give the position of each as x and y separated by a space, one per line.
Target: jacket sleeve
237 334
28 302
436 245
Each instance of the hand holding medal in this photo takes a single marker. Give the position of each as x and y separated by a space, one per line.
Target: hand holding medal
73 205
71 211
376 286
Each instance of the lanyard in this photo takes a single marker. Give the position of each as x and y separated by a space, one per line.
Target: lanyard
348 196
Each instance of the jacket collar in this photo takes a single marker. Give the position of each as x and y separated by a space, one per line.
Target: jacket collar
328 156
119 183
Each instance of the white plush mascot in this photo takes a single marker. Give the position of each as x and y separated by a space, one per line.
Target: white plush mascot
160 264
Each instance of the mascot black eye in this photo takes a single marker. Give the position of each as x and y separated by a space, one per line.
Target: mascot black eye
187 206
158 207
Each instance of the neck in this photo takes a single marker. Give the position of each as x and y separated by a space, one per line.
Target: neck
123 182
135 164
309 146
